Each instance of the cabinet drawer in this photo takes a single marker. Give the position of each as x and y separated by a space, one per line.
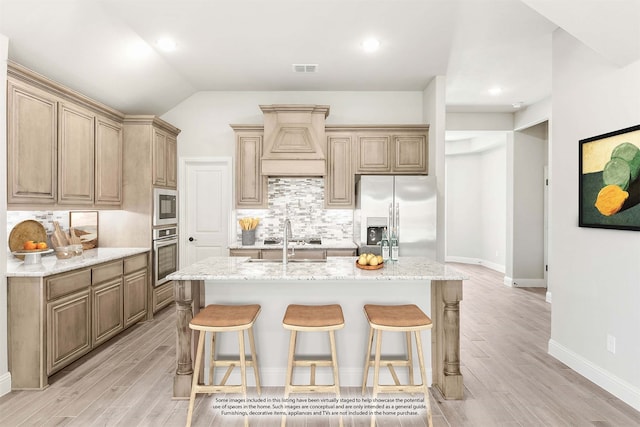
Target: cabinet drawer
106 271
135 263
67 283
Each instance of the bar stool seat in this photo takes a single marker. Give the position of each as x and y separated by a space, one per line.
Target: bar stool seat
216 318
406 318
312 318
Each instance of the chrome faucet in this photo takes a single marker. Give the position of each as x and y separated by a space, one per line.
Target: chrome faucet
285 240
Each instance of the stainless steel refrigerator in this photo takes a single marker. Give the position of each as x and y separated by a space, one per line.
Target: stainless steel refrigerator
407 202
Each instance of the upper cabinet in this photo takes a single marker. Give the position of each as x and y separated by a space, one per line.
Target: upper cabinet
164 159
392 150
63 148
32 140
251 185
339 182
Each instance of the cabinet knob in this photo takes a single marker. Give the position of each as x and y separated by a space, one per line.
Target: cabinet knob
191 239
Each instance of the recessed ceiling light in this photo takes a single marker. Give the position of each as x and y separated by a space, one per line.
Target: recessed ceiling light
167 44
495 91
371 44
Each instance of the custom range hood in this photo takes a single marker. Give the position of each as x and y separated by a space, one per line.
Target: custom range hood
294 142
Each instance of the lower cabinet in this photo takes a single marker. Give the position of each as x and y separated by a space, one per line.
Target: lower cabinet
107 310
68 329
162 296
297 253
82 309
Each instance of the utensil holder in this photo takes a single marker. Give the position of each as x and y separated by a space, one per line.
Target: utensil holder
248 237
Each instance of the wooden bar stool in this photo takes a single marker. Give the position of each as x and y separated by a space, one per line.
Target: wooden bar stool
397 318
216 318
312 318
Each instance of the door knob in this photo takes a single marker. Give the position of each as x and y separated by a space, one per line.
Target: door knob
191 239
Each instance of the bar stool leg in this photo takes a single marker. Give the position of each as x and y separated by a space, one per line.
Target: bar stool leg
194 382
287 386
424 378
212 357
254 359
410 358
367 361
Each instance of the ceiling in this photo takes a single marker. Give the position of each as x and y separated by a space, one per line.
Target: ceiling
107 49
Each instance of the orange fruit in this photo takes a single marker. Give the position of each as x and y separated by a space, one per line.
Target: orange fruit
29 245
41 245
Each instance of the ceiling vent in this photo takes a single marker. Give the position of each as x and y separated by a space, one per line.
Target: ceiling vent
305 68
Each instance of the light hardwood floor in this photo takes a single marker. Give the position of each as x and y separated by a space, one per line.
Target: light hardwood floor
509 378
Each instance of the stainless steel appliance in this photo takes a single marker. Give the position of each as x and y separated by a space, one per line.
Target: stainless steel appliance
165 207
165 253
409 204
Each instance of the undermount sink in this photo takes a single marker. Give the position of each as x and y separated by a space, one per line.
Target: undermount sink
291 260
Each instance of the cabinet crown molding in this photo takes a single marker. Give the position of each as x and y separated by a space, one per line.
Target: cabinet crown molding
156 121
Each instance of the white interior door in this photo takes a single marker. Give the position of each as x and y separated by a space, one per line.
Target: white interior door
205 209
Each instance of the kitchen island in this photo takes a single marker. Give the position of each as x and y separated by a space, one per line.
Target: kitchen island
434 287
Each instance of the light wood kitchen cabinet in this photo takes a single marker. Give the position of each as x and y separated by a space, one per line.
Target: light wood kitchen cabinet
339 182
76 139
251 253
106 297
32 140
68 330
62 146
68 318
341 252
391 149
108 164
251 185
136 285
54 320
164 159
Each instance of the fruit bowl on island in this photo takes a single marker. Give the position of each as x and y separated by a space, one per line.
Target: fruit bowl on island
369 262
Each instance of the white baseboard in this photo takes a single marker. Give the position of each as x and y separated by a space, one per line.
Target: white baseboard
548 297
614 385
5 383
466 260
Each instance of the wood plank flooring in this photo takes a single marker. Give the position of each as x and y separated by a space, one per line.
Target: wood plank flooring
509 378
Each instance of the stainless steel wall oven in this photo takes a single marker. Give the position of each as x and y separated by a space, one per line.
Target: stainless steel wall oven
165 253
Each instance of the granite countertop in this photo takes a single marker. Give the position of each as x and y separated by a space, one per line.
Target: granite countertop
335 268
326 244
52 265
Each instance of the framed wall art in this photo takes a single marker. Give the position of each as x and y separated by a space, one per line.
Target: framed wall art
85 226
609 180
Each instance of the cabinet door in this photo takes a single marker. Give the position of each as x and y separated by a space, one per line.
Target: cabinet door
251 253
107 310
373 151
251 186
339 189
159 158
172 162
31 145
108 180
162 296
308 254
68 329
135 297
410 153
341 252
76 138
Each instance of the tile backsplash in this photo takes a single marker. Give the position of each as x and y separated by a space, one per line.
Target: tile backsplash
302 201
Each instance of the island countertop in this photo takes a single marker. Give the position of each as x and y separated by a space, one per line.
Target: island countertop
51 265
335 268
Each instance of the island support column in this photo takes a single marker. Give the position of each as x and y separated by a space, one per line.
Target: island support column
445 337
187 297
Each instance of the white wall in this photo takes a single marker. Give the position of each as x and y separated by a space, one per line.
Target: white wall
594 273
204 118
5 377
476 205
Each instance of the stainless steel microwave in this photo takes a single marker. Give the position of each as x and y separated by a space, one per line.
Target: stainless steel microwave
165 206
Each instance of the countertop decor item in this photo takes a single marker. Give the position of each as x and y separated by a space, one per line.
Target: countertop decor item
25 231
248 227
84 227
369 267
